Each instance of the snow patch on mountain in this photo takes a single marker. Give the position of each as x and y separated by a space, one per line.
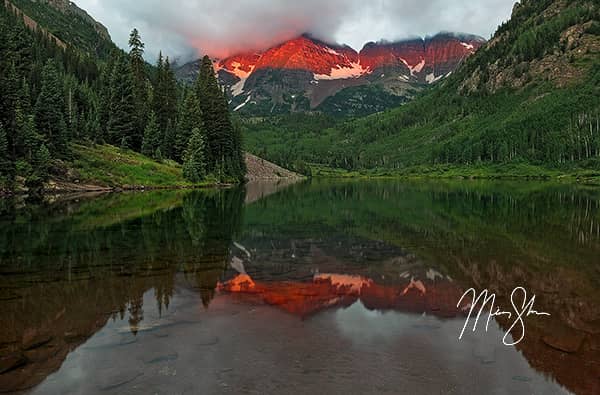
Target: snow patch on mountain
431 78
238 88
341 73
243 104
417 68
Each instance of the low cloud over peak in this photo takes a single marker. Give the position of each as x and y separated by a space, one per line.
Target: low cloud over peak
189 28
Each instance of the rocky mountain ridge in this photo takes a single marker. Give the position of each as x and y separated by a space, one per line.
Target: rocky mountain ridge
300 74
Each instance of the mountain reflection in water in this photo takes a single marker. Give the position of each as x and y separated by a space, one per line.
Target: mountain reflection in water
192 291
328 291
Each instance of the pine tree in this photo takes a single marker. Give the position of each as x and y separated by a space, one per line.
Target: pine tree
165 94
194 164
6 165
158 155
39 170
139 77
170 96
41 163
190 117
169 141
49 117
223 157
26 137
104 100
239 160
152 140
9 86
25 97
136 52
159 91
122 126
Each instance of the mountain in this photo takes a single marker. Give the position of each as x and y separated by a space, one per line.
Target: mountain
305 73
527 97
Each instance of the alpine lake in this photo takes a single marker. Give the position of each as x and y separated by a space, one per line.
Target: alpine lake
322 286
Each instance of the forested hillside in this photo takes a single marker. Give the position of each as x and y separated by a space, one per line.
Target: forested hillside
65 20
55 94
531 95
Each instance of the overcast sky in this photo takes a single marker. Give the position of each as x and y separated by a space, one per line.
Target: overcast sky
185 29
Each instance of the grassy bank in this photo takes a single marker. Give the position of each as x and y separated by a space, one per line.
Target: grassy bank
515 171
111 167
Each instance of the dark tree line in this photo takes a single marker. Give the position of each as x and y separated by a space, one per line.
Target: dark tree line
52 97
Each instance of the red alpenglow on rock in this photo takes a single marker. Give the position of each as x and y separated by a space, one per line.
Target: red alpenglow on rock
419 60
303 73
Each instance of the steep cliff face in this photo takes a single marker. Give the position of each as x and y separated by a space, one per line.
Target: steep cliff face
305 53
445 52
300 74
426 60
405 56
439 54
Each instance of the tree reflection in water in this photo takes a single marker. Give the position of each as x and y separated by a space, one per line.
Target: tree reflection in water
69 269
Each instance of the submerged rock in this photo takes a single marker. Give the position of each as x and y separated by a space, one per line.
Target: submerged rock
568 342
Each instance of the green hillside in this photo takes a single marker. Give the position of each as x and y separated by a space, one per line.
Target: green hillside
70 24
531 96
109 166
70 97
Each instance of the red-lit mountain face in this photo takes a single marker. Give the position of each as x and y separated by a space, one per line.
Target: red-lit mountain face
305 74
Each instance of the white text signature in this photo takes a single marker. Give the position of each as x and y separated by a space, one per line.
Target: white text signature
522 308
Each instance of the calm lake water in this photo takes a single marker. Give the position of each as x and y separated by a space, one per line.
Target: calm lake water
318 287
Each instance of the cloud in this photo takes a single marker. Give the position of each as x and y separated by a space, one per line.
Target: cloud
188 28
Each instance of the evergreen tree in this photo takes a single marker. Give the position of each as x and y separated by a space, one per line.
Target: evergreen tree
25 97
138 70
223 153
190 117
152 140
239 160
165 94
158 155
122 126
104 100
136 52
26 137
170 96
40 166
9 86
49 117
194 164
158 92
6 165
169 141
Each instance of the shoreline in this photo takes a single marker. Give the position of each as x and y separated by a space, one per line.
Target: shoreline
55 188
88 189
567 179
521 172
